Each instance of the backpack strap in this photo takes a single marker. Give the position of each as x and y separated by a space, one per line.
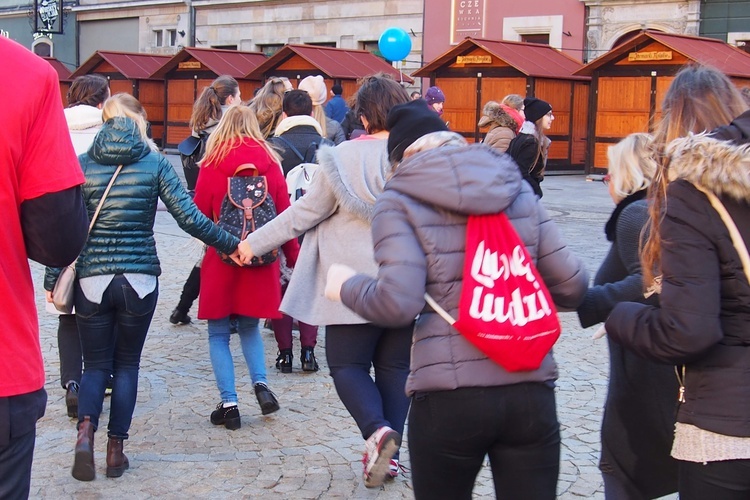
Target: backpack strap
291 146
246 166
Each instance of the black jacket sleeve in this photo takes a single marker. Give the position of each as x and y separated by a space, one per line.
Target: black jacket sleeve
55 227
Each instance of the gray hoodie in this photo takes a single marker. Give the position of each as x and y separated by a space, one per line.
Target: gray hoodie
419 232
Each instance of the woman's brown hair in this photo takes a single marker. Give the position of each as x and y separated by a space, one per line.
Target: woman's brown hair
699 99
267 104
376 95
91 90
208 106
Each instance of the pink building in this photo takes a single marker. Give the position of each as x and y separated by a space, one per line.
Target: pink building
559 23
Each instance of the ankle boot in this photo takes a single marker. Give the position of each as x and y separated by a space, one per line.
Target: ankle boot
284 361
309 363
83 464
117 462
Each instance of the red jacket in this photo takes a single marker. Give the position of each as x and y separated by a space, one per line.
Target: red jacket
245 291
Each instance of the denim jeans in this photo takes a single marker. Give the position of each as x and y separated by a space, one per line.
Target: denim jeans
727 480
69 348
219 334
451 432
351 351
112 337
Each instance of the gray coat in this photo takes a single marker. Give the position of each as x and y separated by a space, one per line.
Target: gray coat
334 215
419 231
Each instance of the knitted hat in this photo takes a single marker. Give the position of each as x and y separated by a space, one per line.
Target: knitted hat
433 95
535 108
336 89
408 122
316 87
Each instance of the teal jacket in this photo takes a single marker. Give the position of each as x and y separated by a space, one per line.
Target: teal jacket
122 239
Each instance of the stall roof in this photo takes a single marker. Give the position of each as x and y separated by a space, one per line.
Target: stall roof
222 62
346 64
62 71
132 65
722 56
531 59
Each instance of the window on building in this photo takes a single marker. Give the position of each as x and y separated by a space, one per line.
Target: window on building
270 49
322 44
158 38
172 38
372 47
224 47
537 38
42 48
744 45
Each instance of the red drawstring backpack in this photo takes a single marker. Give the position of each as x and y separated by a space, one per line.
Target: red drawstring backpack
505 309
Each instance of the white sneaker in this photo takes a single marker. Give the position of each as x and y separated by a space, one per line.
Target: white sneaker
379 450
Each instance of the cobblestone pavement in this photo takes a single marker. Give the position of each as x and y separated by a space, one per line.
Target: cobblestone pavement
311 447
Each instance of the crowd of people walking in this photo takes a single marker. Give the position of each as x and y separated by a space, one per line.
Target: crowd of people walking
374 250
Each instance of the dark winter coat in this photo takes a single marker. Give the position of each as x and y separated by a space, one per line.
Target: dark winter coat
305 138
122 240
419 232
703 320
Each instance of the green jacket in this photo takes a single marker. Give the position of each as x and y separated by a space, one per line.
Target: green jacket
122 239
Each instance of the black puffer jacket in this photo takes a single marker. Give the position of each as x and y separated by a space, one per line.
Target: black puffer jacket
122 240
419 236
704 316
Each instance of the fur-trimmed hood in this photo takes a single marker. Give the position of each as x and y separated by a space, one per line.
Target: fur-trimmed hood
721 166
494 115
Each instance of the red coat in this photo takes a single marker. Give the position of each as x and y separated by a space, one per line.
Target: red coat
246 291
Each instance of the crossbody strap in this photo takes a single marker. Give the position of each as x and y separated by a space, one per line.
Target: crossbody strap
737 241
104 197
291 146
438 309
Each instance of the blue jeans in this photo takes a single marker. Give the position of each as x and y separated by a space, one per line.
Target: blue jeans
450 433
219 333
112 337
351 351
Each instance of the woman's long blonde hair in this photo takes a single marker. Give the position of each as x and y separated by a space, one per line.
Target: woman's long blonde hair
699 99
237 124
632 164
122 104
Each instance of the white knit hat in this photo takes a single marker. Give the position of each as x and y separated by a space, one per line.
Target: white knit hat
316 87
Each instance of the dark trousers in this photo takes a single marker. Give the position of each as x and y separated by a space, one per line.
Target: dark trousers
190 290
351 350
451 432
282 330
18 416
112 337
69 349
725 480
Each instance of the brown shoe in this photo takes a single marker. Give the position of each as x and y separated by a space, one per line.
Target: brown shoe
117 462
83 464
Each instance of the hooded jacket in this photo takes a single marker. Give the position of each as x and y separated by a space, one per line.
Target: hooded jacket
419 233
502 126
122 239
84 122
703 320
334 215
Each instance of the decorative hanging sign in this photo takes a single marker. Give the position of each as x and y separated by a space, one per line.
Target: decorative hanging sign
663 55
48 16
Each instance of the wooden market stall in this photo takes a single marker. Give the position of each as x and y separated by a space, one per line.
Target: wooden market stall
342 66
192 69
63 74
130 72
477 71
629 82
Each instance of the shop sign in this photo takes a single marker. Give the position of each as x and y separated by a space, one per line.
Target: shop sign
473 59
467 19
663 55
189 65
48 16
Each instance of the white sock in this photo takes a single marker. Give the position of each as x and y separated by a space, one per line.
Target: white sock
228 405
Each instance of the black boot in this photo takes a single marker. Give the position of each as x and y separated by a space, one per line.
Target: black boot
179 317
228 416
83 463
266 399
309 363
284 361
71 399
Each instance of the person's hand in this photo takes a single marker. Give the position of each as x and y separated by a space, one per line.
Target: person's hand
235 256
600 333
337 275
48 296
246 253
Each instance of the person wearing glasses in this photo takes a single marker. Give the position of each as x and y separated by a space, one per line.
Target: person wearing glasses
638 417
530 148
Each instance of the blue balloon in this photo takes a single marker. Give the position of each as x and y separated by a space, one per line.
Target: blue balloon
394 44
